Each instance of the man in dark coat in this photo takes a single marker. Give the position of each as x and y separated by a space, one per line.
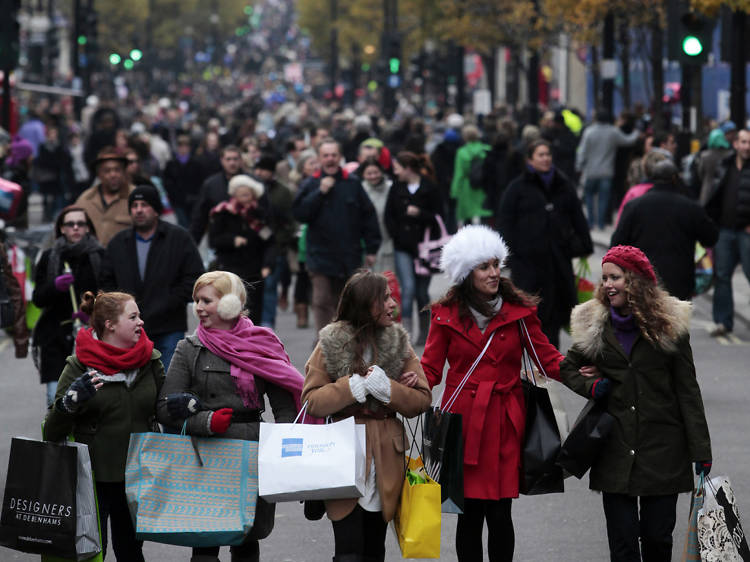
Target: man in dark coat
341 218
158 263
214 190
665 225
728 204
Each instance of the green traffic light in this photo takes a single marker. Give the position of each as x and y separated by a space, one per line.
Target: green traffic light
136 54
692 46
114 59
82 40
128 64
394 64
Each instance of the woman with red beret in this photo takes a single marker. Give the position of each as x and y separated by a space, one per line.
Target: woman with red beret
637 335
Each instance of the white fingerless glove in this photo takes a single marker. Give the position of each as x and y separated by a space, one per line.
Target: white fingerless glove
357 386
378 385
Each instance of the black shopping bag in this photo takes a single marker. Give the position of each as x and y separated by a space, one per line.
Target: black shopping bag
586 438
443 444
541 444
39 506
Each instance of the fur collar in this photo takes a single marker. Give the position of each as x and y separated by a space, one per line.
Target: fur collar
589 320
337 343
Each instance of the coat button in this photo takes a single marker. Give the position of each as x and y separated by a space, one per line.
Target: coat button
473 392
632 452
632 408
438 317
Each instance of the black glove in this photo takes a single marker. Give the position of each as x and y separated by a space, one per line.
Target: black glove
600 389
182 405
702 467
81 390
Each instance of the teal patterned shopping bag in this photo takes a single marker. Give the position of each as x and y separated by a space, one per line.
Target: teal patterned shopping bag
191 491
691 551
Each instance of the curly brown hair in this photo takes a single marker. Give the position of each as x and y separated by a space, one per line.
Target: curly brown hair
648 305
465 295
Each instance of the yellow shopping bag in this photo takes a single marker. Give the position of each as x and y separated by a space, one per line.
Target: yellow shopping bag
417 519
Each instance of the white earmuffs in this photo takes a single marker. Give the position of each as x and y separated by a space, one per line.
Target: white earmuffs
230 307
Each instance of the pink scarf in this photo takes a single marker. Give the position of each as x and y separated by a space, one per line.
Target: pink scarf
253 351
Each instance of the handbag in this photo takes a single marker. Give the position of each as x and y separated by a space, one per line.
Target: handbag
541 440
298 461
586 438
49 506
429 249
442 439
704 269
691 550
417 518
191 491
720 532
11 195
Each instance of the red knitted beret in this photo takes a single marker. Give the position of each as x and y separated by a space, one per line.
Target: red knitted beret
632 259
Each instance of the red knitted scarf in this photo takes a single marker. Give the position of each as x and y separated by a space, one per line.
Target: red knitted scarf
109 359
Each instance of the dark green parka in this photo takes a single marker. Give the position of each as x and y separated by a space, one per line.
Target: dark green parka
105 422
655 398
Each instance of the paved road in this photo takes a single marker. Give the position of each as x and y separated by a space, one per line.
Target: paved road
562 527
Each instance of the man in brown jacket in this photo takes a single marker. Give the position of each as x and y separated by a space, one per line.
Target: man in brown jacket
106 202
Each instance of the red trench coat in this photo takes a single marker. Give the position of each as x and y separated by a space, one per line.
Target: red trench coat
491 403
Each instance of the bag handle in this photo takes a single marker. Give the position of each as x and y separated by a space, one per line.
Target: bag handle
302 412
539 364
461 385
193 442
441 227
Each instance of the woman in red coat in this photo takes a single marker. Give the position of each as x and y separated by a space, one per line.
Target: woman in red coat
482 302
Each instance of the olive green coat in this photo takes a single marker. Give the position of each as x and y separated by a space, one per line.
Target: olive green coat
660 424
105 422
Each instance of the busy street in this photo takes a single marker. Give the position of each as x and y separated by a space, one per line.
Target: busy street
309 280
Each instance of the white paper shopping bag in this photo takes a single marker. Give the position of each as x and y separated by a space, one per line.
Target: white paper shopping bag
311 462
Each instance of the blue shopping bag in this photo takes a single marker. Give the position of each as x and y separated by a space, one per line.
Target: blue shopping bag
191 491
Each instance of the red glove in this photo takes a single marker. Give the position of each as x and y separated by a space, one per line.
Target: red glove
220 420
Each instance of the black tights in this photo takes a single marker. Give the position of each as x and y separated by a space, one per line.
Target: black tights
361 532
500 535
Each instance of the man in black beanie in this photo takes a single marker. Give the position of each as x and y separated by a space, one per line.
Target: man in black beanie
158 263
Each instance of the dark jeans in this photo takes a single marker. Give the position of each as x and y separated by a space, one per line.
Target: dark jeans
412 285
113 507
654 526
166 344
361 532
255 294
598 188
303 286
733 247
501 538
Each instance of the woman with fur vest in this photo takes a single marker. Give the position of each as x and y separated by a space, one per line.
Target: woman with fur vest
638 337
218 380
364 366
483 311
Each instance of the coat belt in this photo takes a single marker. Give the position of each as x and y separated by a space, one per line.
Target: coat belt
509 405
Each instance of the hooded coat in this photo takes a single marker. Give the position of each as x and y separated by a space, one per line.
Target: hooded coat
655 399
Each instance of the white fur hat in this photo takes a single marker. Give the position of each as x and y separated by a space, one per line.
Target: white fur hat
243 180
469 247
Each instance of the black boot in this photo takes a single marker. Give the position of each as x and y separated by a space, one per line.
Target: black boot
424 327
349 558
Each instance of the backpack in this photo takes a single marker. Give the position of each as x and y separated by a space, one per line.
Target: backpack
476 171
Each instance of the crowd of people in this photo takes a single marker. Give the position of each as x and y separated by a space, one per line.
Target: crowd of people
302 206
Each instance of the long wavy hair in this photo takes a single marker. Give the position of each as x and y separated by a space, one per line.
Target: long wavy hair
363 292
648 304
465 295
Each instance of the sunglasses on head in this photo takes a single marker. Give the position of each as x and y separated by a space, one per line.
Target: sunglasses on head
74 224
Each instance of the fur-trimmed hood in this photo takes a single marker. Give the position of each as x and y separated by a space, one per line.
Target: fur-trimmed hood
338 345
588 321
